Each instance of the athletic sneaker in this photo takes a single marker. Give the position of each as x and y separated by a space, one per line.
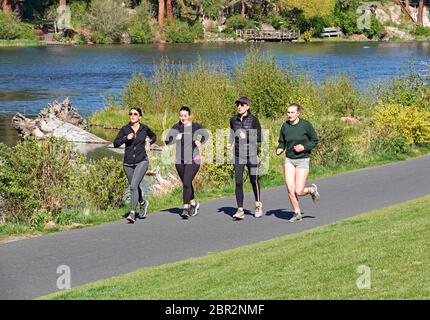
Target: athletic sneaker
185 213
258 210
131 217
315 195
194 209
296 217
143 209
239 215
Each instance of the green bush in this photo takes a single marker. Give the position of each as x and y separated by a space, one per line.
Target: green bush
340 97
197 29
12 28
421 31
375 30
180 32
333 148
106 183
264 82
101 38
140 32
237 22
79 11
139 25
136 93
108 19
37 176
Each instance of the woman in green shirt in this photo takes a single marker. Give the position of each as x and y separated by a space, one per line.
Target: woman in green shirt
298 138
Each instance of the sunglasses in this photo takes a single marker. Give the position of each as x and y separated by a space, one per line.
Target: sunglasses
133 114
240 105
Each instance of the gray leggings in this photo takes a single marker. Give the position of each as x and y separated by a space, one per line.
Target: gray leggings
135 174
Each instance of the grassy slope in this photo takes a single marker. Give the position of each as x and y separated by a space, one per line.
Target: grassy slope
316 264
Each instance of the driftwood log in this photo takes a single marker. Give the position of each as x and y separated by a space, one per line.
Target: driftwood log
60 120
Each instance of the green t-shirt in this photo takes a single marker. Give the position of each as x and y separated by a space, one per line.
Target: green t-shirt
301 133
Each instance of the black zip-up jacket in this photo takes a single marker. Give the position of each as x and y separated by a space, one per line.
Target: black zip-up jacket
250 125
135 148
186 148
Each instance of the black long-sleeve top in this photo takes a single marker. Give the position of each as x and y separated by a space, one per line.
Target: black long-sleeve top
135 148
186 148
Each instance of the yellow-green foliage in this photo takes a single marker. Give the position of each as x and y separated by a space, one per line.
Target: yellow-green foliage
310 8
136 94
411 123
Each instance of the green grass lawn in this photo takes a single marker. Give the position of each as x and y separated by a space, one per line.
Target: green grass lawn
317 264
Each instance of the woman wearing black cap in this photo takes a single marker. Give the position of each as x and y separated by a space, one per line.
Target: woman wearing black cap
246 134
189 136
134 135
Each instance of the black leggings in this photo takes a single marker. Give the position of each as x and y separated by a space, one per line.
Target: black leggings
187 172
253 177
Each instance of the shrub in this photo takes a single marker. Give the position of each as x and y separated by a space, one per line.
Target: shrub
421 31
375 30
333 147
108 18
36 176
136 93
140 27
101 38
12 28
308 34
237 22
79 11
180 32
340 97
407 122
140 32
105 183
264 82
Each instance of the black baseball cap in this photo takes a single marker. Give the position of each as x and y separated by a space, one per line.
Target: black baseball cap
243 100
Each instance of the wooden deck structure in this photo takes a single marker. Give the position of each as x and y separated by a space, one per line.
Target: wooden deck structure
268 35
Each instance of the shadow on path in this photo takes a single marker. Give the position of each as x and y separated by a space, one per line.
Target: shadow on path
285 214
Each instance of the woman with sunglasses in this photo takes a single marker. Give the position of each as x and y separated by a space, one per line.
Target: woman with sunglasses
188 136
298 138
245 133
137 138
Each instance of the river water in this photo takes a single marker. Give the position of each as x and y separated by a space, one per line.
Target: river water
31 77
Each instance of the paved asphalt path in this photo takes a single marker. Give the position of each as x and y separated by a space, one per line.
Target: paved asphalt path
28 268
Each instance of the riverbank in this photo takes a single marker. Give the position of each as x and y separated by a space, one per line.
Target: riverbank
22 43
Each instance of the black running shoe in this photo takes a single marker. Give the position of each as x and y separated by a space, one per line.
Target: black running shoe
143 209
194 209
131 217
185 213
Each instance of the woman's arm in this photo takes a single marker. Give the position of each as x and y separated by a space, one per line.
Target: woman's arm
120 139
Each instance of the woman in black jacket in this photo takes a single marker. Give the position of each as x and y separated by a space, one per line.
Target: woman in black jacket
246 135
134 135
188 136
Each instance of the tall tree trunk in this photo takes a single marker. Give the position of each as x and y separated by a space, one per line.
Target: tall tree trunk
7 6
63 2
161 13
169 10
243 8
421 13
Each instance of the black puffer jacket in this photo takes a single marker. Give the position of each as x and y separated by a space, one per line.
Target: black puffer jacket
135 148
249 125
